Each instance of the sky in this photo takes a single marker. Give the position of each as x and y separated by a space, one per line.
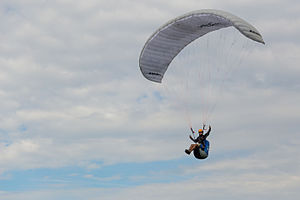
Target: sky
79 121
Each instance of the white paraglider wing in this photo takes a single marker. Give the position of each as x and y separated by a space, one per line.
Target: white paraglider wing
171 38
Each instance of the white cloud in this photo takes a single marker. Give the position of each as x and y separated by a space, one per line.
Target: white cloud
246 186
70 77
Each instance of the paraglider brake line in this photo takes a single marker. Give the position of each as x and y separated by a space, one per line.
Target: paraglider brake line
193 132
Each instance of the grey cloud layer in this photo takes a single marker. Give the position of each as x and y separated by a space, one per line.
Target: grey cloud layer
70 84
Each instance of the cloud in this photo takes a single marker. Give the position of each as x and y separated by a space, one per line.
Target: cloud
72 94
246 186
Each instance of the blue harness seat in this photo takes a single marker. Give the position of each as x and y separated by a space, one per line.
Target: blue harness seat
201 153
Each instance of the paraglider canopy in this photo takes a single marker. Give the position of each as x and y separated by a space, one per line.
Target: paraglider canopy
165 43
